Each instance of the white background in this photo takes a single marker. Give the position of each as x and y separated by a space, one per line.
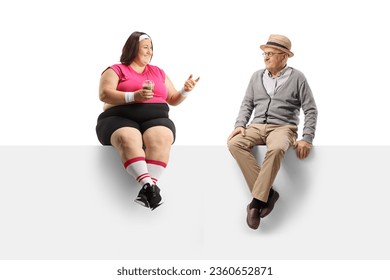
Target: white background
53 52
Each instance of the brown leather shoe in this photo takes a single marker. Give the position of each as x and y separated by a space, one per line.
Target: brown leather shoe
271 203
253 217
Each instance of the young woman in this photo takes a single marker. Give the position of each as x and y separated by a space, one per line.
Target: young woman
135 119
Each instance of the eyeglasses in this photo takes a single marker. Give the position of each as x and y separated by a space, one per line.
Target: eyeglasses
269 54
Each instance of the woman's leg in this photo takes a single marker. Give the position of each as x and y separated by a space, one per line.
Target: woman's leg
157 141
128 142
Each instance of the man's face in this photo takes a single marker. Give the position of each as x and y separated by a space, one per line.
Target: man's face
274 59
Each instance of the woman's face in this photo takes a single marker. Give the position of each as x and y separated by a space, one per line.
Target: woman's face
145 52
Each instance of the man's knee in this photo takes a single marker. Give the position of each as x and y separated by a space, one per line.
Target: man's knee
234 145
276 150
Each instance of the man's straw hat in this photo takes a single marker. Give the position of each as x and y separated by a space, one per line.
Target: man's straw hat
279 42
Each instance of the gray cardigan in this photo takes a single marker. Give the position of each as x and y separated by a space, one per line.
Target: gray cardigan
283 108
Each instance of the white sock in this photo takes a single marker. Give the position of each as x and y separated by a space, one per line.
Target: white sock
137 168
156 168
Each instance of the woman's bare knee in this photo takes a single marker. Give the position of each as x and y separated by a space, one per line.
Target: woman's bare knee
158 142
128 142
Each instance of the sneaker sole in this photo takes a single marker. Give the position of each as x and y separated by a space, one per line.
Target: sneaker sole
142 203
155 206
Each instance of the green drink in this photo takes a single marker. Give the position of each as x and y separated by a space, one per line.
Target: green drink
148 84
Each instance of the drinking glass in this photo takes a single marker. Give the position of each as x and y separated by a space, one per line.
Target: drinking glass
148 84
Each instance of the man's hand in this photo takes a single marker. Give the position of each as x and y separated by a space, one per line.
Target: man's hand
302 148
237 130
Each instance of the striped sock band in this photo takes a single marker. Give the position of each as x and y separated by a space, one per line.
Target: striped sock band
156 168
137 168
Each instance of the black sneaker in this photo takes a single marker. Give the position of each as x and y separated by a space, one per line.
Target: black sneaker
153 196
149 196
142 199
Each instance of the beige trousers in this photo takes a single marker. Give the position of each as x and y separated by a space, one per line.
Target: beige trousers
278 138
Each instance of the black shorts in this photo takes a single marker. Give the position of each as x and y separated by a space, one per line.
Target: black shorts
140 116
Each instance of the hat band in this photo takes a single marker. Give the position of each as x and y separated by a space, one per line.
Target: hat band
277 45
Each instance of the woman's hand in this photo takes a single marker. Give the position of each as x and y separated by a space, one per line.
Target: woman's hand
190 83
143 94
176 97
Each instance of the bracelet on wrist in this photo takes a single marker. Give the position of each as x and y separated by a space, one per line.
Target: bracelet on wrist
129 97
183 92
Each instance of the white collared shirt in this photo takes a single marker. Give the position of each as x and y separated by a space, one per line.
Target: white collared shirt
273 84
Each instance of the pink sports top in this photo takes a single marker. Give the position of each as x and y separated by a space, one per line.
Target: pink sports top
129 80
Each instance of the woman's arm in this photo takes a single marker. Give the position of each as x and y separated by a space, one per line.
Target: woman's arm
107 88
112 97
176 97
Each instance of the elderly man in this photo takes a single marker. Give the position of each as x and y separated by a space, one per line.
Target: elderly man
276 94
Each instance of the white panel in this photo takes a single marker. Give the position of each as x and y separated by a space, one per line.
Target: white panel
76 202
